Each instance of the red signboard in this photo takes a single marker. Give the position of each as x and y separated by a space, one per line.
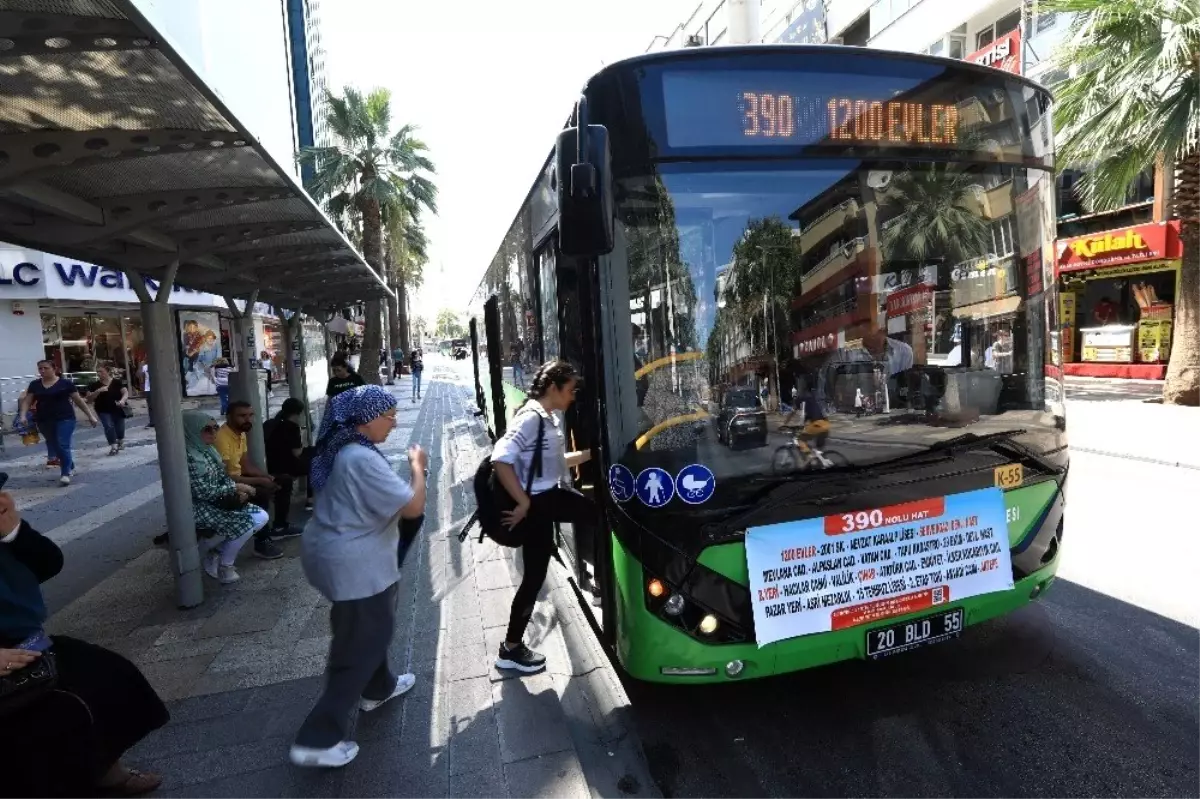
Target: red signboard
1153 242
1033 273
906 301
1003 54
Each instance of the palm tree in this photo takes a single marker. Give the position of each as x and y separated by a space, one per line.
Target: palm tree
1133 103
368 176
407 252
938 222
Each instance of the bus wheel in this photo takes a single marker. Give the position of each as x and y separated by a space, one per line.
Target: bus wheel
785 460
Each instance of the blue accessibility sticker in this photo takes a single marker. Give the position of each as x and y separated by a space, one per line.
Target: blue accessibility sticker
655 487
620 482
695 484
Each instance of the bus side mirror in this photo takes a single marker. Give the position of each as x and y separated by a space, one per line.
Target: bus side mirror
583 184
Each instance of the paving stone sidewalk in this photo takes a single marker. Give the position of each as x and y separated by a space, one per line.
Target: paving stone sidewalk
241 671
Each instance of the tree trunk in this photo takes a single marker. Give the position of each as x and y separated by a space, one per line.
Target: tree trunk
1182 386
402 314
395 339
372 233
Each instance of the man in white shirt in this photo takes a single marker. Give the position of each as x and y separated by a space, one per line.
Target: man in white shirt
145 371
894 356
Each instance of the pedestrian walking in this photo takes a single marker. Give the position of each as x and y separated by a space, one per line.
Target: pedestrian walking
144 372
417 366
349 553
54 416
110 397
543 496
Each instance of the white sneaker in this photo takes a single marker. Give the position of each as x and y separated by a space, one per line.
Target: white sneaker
64 480
404 683
333 757
228 574
212 564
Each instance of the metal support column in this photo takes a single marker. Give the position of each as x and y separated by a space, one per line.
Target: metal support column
243 384
165 378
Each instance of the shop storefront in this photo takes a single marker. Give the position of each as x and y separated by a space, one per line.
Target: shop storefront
82 315
1116 301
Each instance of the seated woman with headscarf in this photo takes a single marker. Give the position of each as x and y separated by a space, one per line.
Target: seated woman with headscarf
68 709
222 506
350 556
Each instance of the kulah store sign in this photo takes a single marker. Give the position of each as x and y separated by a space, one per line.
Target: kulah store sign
1154 242
28 274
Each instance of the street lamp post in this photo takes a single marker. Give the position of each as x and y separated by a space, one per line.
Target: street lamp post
774 330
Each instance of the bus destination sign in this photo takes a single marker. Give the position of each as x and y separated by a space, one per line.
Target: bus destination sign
742 108
774 117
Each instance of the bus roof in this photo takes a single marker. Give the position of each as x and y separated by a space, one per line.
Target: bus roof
718 51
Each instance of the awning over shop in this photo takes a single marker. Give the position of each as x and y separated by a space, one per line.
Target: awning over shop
114 151
1004 306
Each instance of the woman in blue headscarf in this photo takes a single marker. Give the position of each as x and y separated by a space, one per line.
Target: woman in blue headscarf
349 555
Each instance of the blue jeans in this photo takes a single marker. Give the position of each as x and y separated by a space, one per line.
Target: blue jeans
58 443
416 385
223 395
114 426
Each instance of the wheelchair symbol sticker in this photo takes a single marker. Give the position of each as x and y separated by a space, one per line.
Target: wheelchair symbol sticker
695 484
655 487
620 482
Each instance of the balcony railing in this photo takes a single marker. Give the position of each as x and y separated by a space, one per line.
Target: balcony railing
845 206
847 250
814 318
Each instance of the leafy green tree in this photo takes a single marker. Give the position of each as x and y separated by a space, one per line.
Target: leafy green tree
1133 101
448 324
368 176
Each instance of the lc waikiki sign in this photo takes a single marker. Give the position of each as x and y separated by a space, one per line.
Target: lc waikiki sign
29 275
1130 245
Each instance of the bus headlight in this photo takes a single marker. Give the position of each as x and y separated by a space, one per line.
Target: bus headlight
709 624
656 588
734 667
674 605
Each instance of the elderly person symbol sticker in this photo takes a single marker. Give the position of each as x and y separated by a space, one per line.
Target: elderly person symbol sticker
695 484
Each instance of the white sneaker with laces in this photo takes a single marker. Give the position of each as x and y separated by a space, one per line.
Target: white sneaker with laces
64 480
334 757
404 684
228 574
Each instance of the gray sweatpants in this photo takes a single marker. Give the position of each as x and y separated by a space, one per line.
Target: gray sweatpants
358 666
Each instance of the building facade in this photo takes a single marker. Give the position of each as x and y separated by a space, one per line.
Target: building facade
308 74
1115 312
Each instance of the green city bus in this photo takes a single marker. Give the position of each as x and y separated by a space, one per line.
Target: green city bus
810 292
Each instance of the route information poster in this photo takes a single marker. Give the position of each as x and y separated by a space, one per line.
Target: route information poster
834 572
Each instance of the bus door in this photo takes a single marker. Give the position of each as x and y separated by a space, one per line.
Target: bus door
480 400
577 345
495 362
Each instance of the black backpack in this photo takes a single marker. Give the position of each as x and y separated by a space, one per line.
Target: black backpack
492 499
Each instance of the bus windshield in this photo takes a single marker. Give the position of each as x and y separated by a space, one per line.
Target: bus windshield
904 302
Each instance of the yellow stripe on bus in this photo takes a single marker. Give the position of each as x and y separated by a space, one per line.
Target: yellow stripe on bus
660 362
698 416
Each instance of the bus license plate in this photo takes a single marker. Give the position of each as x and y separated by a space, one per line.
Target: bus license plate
897 638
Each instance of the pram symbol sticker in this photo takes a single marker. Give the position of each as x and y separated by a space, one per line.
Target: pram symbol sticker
695 484
620 482
655 487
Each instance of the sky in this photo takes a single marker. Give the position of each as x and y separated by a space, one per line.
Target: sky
489 84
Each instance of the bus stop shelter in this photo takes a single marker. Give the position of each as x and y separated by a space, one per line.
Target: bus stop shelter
114 151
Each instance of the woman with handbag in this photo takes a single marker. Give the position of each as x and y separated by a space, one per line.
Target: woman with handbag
531 462
221 506
110 398
69 709
350 555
